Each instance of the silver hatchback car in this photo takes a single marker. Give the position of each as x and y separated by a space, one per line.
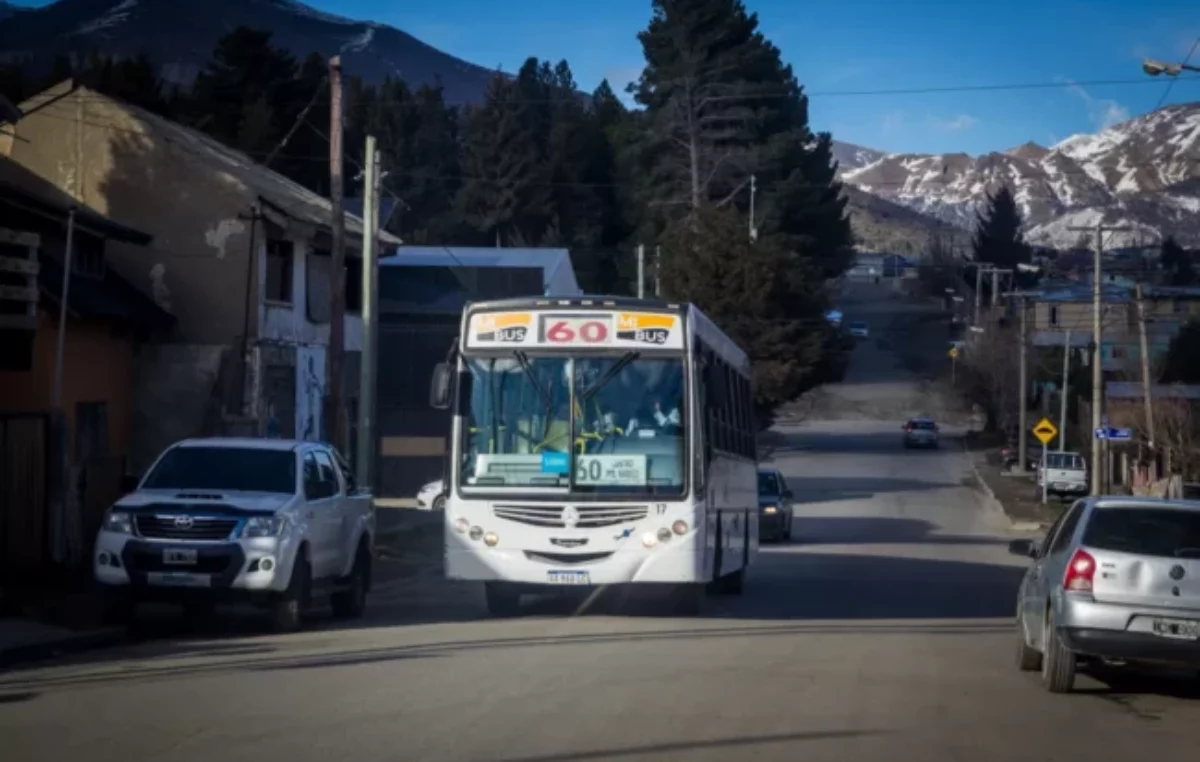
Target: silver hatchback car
1115 580
921 432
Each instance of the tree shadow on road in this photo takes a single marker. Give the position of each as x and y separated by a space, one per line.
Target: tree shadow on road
733 744
878 530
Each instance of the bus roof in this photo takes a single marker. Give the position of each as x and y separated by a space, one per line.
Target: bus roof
702 325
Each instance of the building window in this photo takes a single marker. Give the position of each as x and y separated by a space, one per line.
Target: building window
91 431
1054 316
279 271
87 257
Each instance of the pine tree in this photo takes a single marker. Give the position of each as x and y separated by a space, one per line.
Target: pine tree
998 238
1176 263
1182 364
709 261
501 166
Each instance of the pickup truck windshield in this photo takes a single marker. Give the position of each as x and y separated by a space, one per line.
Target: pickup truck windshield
225 469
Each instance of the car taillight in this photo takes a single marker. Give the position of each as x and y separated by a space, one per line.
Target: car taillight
908 428
1080 571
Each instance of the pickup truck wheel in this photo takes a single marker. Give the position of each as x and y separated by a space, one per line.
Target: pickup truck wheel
351 602
289 607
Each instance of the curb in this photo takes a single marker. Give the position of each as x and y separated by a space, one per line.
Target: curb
1016 526
50 649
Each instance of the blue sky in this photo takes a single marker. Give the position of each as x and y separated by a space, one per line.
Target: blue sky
844 47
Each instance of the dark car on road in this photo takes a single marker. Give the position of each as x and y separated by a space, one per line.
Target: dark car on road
774 506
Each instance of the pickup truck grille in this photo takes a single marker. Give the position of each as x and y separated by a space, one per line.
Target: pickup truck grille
183 527
588 516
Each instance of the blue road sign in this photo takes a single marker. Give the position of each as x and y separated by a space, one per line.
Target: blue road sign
1114 434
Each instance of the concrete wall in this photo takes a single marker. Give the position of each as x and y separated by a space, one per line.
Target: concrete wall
178 396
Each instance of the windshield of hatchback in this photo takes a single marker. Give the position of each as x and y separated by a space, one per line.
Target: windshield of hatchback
768 484
596 424
1166 532
224 469
921 425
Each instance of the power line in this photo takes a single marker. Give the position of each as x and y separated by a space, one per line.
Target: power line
1171 82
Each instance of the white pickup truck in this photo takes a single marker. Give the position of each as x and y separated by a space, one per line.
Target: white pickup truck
278 523
1065 474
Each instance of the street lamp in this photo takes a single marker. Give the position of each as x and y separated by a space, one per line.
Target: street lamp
1154 68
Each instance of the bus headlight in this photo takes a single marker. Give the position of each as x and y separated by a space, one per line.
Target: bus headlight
491 539
649 540
462 525
476 533
680 527
664 535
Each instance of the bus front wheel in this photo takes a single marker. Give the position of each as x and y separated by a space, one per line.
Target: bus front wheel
502 599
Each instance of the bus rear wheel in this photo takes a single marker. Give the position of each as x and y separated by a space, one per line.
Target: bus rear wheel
503 599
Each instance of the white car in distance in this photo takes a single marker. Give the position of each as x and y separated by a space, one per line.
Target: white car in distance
432 496
272 522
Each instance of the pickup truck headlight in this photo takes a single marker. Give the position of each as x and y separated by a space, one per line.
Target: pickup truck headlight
264 526
120 522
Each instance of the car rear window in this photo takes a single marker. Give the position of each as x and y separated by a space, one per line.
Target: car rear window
1066 462
1167 532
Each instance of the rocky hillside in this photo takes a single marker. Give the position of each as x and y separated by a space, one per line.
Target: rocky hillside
1143 173
179 36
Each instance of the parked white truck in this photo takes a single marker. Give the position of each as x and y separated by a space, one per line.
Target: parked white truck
278 523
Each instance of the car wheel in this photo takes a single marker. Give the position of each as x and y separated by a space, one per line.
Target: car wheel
439 503
503 599
1058 662
291 604
351 603
1028 660
787 532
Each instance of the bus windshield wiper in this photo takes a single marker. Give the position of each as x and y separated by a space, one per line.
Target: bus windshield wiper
608 375
523 361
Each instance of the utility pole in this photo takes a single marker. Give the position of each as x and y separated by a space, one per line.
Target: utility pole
1062 402
641 270
978 291
995 287
1147 395
365 450
337 279
753 193
1098 348
1022 446
60 344
657 271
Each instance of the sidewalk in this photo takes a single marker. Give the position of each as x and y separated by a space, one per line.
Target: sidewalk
1014 492
38 625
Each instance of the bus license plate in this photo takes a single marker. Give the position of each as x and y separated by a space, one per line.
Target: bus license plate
568 578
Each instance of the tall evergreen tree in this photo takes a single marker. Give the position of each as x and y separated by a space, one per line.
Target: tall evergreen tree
998 238
502 169
1176 263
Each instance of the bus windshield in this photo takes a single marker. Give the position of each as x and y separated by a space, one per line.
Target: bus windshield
626 413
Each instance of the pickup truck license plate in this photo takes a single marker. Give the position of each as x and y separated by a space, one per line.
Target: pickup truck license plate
179 556
179 579
568 578
1182 629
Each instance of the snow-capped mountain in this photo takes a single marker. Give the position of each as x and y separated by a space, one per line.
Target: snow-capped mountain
1143 173
179 36
850 156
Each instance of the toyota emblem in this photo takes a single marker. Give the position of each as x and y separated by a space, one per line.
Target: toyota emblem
570 517
184 522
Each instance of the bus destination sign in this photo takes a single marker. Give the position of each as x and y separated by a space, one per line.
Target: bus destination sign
565 329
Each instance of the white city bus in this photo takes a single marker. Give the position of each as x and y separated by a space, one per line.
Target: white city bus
597 441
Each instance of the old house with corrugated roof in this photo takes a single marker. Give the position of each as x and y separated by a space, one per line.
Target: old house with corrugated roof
239 255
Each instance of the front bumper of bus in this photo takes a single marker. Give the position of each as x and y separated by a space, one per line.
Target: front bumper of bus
678 559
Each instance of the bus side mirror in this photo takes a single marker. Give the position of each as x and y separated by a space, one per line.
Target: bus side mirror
439 387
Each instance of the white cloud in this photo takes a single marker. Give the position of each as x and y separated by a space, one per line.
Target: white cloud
1104 112
955 124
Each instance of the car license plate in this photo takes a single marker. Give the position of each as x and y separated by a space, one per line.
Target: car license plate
179 556
568 578
179 579
1182 629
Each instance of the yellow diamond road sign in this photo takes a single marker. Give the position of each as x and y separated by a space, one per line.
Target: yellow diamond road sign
953 352
1045 431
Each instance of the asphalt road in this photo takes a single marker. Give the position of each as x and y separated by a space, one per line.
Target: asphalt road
883 631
